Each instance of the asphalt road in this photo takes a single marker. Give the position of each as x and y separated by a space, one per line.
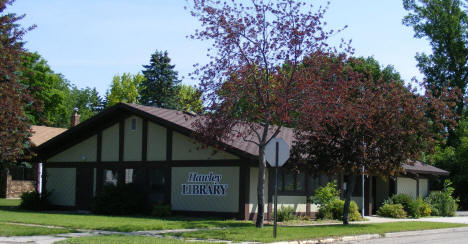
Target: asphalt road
453 237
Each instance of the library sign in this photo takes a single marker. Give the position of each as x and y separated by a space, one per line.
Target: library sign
204 185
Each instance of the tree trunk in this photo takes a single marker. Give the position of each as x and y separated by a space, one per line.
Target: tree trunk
349 191
3 180
260 187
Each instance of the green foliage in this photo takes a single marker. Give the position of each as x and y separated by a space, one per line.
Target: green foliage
410 205
442 202
124 88
14 97
161 210
455 160
159 87
334 210
325 195
188 99
35 201
56 96
445 24
424 208
370 66
48 87
285 214
392 211
119 199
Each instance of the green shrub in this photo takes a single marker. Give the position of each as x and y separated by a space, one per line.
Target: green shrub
424 208
121 199
442 203
35 201
161 210
334 210
285 214
325 195
411 206
392 211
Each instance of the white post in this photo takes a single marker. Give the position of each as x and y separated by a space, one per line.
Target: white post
39 178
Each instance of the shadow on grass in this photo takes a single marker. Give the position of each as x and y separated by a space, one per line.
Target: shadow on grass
117 222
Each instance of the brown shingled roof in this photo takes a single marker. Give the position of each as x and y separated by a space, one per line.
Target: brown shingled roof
422 168
41 134
186 120
183 122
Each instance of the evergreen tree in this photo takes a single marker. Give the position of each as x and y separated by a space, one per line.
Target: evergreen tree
14 97
160 85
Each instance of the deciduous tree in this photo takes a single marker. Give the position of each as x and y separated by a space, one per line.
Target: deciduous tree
124 88
249 83
188 99
47 87
445 24
349 121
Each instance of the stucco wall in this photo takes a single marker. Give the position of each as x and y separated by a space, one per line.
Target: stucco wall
132 139
253 203
156 142
229 202
110 144
406 186
84 151
423 187
184 148
62 183
296 202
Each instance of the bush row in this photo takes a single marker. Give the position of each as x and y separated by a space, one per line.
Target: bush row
440 203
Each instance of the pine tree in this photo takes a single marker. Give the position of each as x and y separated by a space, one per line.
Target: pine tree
160 85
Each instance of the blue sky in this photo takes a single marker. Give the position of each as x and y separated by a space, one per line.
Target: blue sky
89 41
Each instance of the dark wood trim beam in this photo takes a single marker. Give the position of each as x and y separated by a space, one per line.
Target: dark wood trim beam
417 187
241 195
168 144
136 164
271 191
144 141
99 146
121 139
246 192
168 185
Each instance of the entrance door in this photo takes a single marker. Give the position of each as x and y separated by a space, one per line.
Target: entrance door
84 187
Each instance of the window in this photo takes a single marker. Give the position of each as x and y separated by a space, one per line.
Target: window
110 176
133 124
22 171
289 181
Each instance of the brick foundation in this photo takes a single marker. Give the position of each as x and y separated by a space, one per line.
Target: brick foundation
14 188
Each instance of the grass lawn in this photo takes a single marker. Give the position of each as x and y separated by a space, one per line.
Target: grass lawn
19 230
125 240
98 222
310 232
9 202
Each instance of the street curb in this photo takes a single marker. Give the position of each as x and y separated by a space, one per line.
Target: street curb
420 232
333 239
374 236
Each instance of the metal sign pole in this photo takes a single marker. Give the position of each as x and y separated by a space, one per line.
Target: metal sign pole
276 190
